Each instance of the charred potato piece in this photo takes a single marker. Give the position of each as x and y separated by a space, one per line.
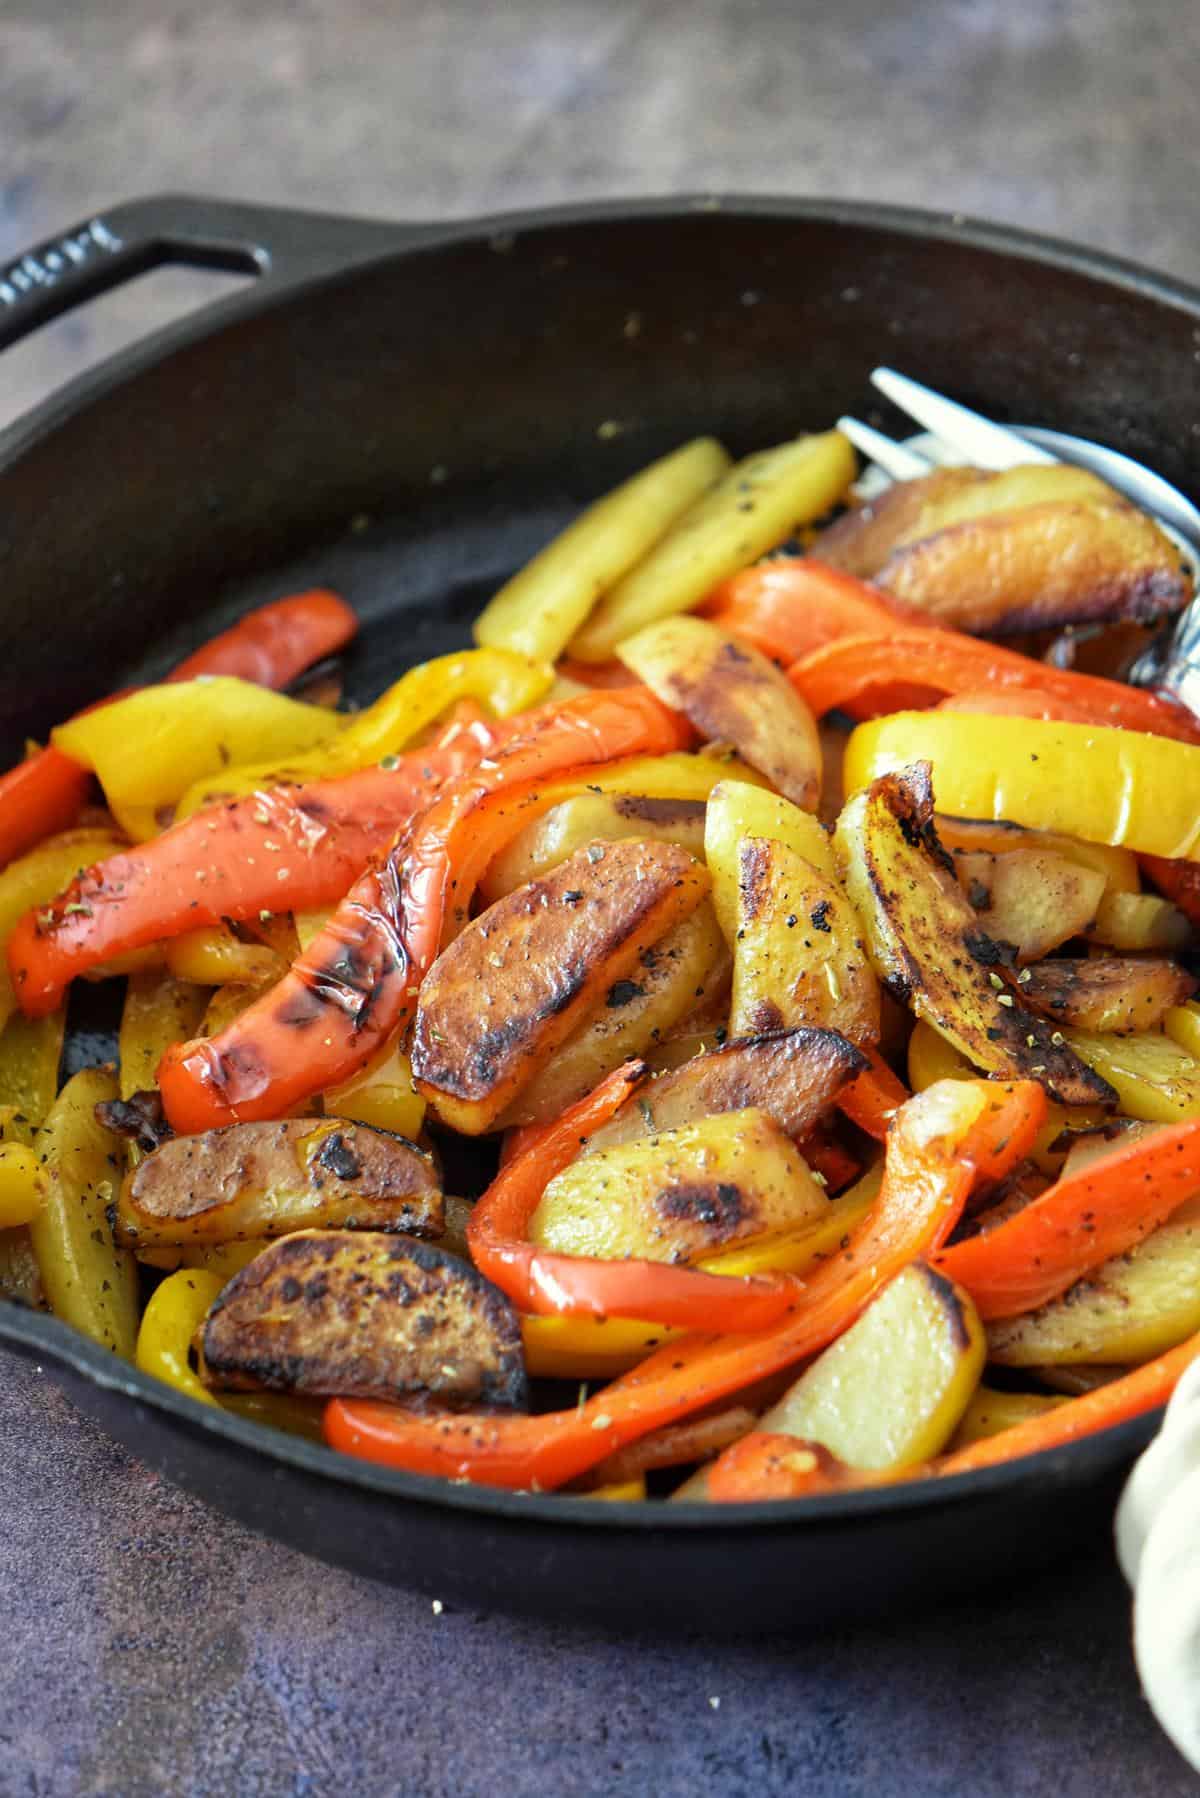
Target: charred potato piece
682 1194
672 978
736 810
353 1314
732 694
909 511
591 818
793 1075
928 948
1114 993
1129 1309
249 1180
799 956
1031 898
1063 562
510 989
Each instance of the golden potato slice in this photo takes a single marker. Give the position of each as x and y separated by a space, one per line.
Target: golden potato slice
758 503
1133 921
636 1013
1155 1080
592 818
1129 1309
1030 898
511 988
732 694
359 1315
1107 993
249 1180
793 1075
1061 562
991 1411
89 1280
891 1391
799 957
927 945
909 511
1118 866
681 1194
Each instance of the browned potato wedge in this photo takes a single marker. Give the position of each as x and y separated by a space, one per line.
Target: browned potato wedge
909 511
733 694
1129 1309
1136 921
592 818
682 1194
1031 898
793 1075
498 1003
250 1180
799 956
1115 993
360 1315
672 977
1063 562
927 945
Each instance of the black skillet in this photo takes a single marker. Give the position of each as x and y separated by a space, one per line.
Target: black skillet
405 413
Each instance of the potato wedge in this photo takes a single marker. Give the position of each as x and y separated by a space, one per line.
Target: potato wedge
927 946
732 694
1060 562
592 818
248 1180
799 958
892 1390
1118 866
1129 1309
1133 921
498 1002
1107 993
351 1313
1154 1079
1030 898
159 1010
863 539
89 1281
681 1194
671 978
793 1075
991 1411
539 610
30 1053
736 810
756 505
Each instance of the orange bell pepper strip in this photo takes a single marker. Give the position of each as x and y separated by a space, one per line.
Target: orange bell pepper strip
766 1464
858 672
792 605
555 1285
940 1143
274 643
872 1100
284 849
41 795
356 984
1083 1219
1019 702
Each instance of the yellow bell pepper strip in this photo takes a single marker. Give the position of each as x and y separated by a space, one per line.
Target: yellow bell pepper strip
290 847
1107 786
941 1143
22 1188
213 956
506 683
862 673
588 1348
37 878
617 1492
30 1052
175 1312
382 1094
149 747
356 984
1182 1025
557 1285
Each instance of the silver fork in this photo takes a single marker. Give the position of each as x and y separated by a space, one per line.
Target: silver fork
953 434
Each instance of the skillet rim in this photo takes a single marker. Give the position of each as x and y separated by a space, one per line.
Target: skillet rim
36 1334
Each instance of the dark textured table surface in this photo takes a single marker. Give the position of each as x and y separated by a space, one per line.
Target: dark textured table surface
148 1646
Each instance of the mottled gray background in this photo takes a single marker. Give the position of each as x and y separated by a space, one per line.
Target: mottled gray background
146 1645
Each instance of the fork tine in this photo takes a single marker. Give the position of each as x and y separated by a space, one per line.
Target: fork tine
984 444
901 463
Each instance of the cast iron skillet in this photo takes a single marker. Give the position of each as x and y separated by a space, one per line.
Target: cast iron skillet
405 413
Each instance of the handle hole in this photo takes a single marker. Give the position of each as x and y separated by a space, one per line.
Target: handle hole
77 341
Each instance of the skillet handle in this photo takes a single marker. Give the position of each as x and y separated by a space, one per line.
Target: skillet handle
278 244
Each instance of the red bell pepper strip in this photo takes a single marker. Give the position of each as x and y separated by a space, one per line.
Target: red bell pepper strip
1020 702
274 643
356 984
872 1100
1083 1219
940 1143
43 794
284 849
792 605
858 671
556 1285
